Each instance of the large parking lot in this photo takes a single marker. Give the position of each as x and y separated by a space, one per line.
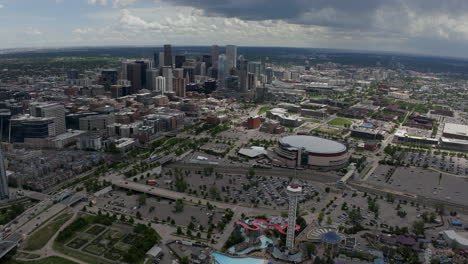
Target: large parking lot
423 182
267 192
157 209
455 165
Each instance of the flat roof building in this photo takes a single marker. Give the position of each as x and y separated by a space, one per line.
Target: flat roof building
456 131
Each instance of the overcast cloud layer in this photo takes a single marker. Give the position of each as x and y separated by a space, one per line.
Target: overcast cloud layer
416 26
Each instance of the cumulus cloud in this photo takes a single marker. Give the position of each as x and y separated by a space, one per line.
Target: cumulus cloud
33 32
1 6
97 2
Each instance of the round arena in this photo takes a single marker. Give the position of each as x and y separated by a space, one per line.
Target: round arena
311 151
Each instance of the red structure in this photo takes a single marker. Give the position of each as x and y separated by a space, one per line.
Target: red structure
151 182
252 122
255 226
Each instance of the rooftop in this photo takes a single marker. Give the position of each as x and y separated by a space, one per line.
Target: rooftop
457 129
313 144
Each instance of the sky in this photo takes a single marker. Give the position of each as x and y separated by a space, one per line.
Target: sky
433 27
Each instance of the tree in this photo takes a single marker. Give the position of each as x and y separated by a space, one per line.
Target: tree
142 199
355 217
184 260
179 206
418 228
138 215
214 193
329 220
179 230
320 217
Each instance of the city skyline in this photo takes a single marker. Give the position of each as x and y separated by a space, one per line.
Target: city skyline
433 28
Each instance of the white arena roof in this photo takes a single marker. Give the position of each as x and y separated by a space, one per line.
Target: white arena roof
313 144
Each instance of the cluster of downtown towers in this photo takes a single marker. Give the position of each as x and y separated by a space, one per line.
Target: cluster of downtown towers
178 74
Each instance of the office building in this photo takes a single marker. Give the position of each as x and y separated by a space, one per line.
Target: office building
179 61
96 123
255 67
108 78
269 75
207 60
151 75
156 60
50 110
168 55
167 74
23 127
231 57
214 56
161 59
189 74
160 84
136 74
4 192
179 86
178 73
222 71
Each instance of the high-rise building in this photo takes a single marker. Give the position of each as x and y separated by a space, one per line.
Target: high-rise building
231 57
179 86
123 71
222 71
255 67
50 110
214 55
136 74
167 55
293 194
167 74
232 83
151 75
269 75
161 59
160 82
251 82
156 60
4 192
243 73
179 61
108 78
178 73
189 73
207 60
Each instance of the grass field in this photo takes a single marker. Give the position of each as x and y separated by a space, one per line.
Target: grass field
328 130
77 254
340 122
264 110
48 260
40 237
311 120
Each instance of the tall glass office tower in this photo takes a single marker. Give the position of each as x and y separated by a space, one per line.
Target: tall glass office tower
222 71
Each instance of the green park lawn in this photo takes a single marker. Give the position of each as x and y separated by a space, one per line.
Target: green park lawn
40 237
340 122
263 110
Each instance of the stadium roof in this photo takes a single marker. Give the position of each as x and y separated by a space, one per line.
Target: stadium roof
313 144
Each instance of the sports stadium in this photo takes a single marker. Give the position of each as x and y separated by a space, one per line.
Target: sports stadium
310 151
